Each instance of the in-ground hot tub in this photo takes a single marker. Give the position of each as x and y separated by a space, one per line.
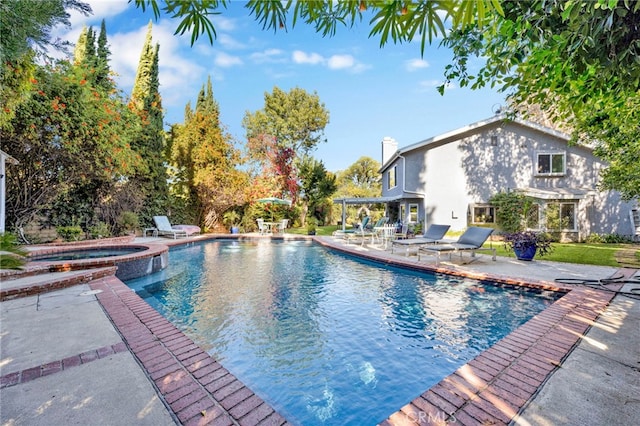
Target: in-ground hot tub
132 260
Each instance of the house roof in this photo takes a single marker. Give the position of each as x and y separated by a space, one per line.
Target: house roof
473 129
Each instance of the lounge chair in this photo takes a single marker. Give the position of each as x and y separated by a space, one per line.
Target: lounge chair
346 232
471 240
434 234
175 231
374 232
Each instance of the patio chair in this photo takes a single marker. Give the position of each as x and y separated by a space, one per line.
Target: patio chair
283 225
433 234
471 240
346 232
262 228
175 231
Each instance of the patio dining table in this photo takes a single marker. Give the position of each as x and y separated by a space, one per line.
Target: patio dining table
271 226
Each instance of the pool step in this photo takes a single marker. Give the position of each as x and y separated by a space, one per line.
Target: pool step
29 284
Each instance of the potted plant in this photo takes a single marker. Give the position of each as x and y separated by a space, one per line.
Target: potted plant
525 244
230 219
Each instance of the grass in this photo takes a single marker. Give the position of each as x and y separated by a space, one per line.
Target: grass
580 253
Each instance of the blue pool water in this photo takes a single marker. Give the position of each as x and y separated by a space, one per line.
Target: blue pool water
325 338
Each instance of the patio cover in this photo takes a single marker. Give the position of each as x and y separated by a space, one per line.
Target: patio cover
369 200
557 193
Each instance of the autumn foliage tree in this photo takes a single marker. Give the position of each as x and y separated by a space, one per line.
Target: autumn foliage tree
290 125
205 162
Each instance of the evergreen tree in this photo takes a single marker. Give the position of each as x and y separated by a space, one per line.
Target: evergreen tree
80 52
146 102
205 160
102 59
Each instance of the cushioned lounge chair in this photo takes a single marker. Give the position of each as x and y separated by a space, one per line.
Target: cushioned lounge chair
471 240
165 228
364 232
433 234
346 232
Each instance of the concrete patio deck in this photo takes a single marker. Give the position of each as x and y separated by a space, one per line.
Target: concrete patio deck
95 353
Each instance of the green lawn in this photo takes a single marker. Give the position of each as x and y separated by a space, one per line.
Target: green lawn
582 253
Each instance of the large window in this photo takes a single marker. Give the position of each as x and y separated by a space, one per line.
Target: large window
483 214
532 217
551 164
561 216
413 213
391 177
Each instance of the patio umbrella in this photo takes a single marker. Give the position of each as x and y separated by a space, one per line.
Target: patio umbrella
274 200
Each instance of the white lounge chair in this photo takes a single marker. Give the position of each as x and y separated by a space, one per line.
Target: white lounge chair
471 240
175 231
434 234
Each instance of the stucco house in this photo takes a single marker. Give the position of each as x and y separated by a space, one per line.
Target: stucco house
449 179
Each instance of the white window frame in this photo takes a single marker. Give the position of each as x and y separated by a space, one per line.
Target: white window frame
403 213
414 215
482 206
392 176
575 215
551 154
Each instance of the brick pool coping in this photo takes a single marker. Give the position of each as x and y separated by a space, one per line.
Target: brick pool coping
490 389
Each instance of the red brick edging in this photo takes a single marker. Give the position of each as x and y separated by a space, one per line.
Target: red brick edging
29 374
192 384
493 387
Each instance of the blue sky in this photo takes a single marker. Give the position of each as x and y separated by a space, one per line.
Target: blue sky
370 92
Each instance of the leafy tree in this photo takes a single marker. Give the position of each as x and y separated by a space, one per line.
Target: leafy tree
26 27
290 123
400 21
67 135
317 184
361 179
205 161
25 32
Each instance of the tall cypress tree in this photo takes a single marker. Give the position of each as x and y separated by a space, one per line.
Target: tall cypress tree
80 51
102 59
147 103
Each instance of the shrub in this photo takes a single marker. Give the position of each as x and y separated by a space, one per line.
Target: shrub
100 230
511 210
128 222
13 256
69 233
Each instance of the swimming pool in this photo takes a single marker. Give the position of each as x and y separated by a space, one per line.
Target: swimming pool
326 338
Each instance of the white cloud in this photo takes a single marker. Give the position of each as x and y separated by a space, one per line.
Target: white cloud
300 57
225 60
337 62
269 55
415 64
228 42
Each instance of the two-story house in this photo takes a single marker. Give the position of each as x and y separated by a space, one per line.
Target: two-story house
449 179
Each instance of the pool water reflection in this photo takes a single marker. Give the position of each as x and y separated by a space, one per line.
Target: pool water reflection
326 338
